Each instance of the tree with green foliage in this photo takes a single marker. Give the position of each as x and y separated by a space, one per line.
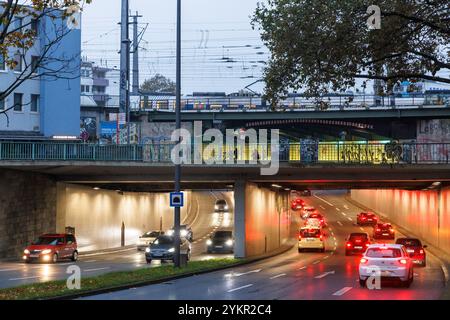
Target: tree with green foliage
158 84
325 45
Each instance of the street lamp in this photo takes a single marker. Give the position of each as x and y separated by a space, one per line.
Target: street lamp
177 127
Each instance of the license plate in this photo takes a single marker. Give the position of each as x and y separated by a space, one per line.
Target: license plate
219 247
410 251
34 256
385 273
370 220
310 240
157 255
385 234
358 247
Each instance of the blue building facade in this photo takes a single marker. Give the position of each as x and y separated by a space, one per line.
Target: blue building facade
50 103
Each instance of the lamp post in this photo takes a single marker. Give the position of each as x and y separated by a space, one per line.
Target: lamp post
177 127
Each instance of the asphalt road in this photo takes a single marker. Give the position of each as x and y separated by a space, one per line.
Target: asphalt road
203 221
293 276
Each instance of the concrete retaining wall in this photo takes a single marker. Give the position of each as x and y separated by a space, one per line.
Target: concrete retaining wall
267 220
27 210
97 215
425 214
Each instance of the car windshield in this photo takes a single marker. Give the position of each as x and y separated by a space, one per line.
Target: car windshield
151 234
358 236
409 242
221 202
310 233
222 234
384 253
163 240
51 241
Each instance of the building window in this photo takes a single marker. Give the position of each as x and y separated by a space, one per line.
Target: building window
34 26
2 63
34 107
18 106
18 24
34 63
88 88
18 58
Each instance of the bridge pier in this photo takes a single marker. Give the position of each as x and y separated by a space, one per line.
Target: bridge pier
239 219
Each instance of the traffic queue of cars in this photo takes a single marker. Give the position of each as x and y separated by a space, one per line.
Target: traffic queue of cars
388 261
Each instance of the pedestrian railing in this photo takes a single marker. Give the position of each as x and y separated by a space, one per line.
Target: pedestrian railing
367 153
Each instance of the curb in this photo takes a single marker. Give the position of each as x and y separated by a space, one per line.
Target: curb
282 250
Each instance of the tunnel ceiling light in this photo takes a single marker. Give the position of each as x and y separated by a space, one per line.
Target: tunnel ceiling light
277 186
287 189
437 184
96 188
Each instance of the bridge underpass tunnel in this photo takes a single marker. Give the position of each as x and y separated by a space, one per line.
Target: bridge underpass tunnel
104 218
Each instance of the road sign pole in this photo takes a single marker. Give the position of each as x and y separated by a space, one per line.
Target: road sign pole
178 126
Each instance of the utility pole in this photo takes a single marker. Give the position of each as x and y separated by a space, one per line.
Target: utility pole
125 66
177 219
135 86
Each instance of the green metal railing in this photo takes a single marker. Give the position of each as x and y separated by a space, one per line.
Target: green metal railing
368 153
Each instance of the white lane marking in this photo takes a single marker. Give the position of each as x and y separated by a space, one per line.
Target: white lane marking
97 269
325 258
90 261
25 278
340 223
416 274
240 288
344 214
103 253
249 272
321 206
346 207
361 228
350 219
338 209
278 276
302 268
325 274
6 270
328 203
316 262
342 291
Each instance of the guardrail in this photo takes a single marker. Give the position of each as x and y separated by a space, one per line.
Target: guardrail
368 153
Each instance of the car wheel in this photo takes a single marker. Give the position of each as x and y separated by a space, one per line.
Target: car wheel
74 256
300 250
55 258
347 253
27 261
322 250
362 283
148 261
424 263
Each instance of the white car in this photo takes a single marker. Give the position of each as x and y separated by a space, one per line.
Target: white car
313 222
388 261
311 238
307 211
147 239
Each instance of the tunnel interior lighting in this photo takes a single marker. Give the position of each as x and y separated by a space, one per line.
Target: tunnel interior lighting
277 186
96 188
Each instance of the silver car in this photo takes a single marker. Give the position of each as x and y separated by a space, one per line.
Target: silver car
221 206
163 248
147 238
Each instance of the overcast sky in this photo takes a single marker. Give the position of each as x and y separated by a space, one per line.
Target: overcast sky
221 52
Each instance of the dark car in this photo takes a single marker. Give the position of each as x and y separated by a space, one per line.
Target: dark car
51 248
221 206
220 241
306 193
163 248
357 243
415 249
366 218
383 231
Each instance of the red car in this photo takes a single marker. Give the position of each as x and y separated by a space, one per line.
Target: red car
383 231
415 249
51 248
318 216
357 243
366 218
297 204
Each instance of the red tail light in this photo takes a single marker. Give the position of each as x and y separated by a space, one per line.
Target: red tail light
378 230
349 245
321 237
391 230
403 261
421 251
364 261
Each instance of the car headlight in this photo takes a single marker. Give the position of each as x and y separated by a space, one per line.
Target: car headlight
216 207
147 250
229 243
183 233
209 242
26 251
47 251
170 232
171 250
226 207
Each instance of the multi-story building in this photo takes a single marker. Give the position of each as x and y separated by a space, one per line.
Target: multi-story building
48 105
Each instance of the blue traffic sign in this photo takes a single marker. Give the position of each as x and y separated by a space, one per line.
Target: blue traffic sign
176 199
